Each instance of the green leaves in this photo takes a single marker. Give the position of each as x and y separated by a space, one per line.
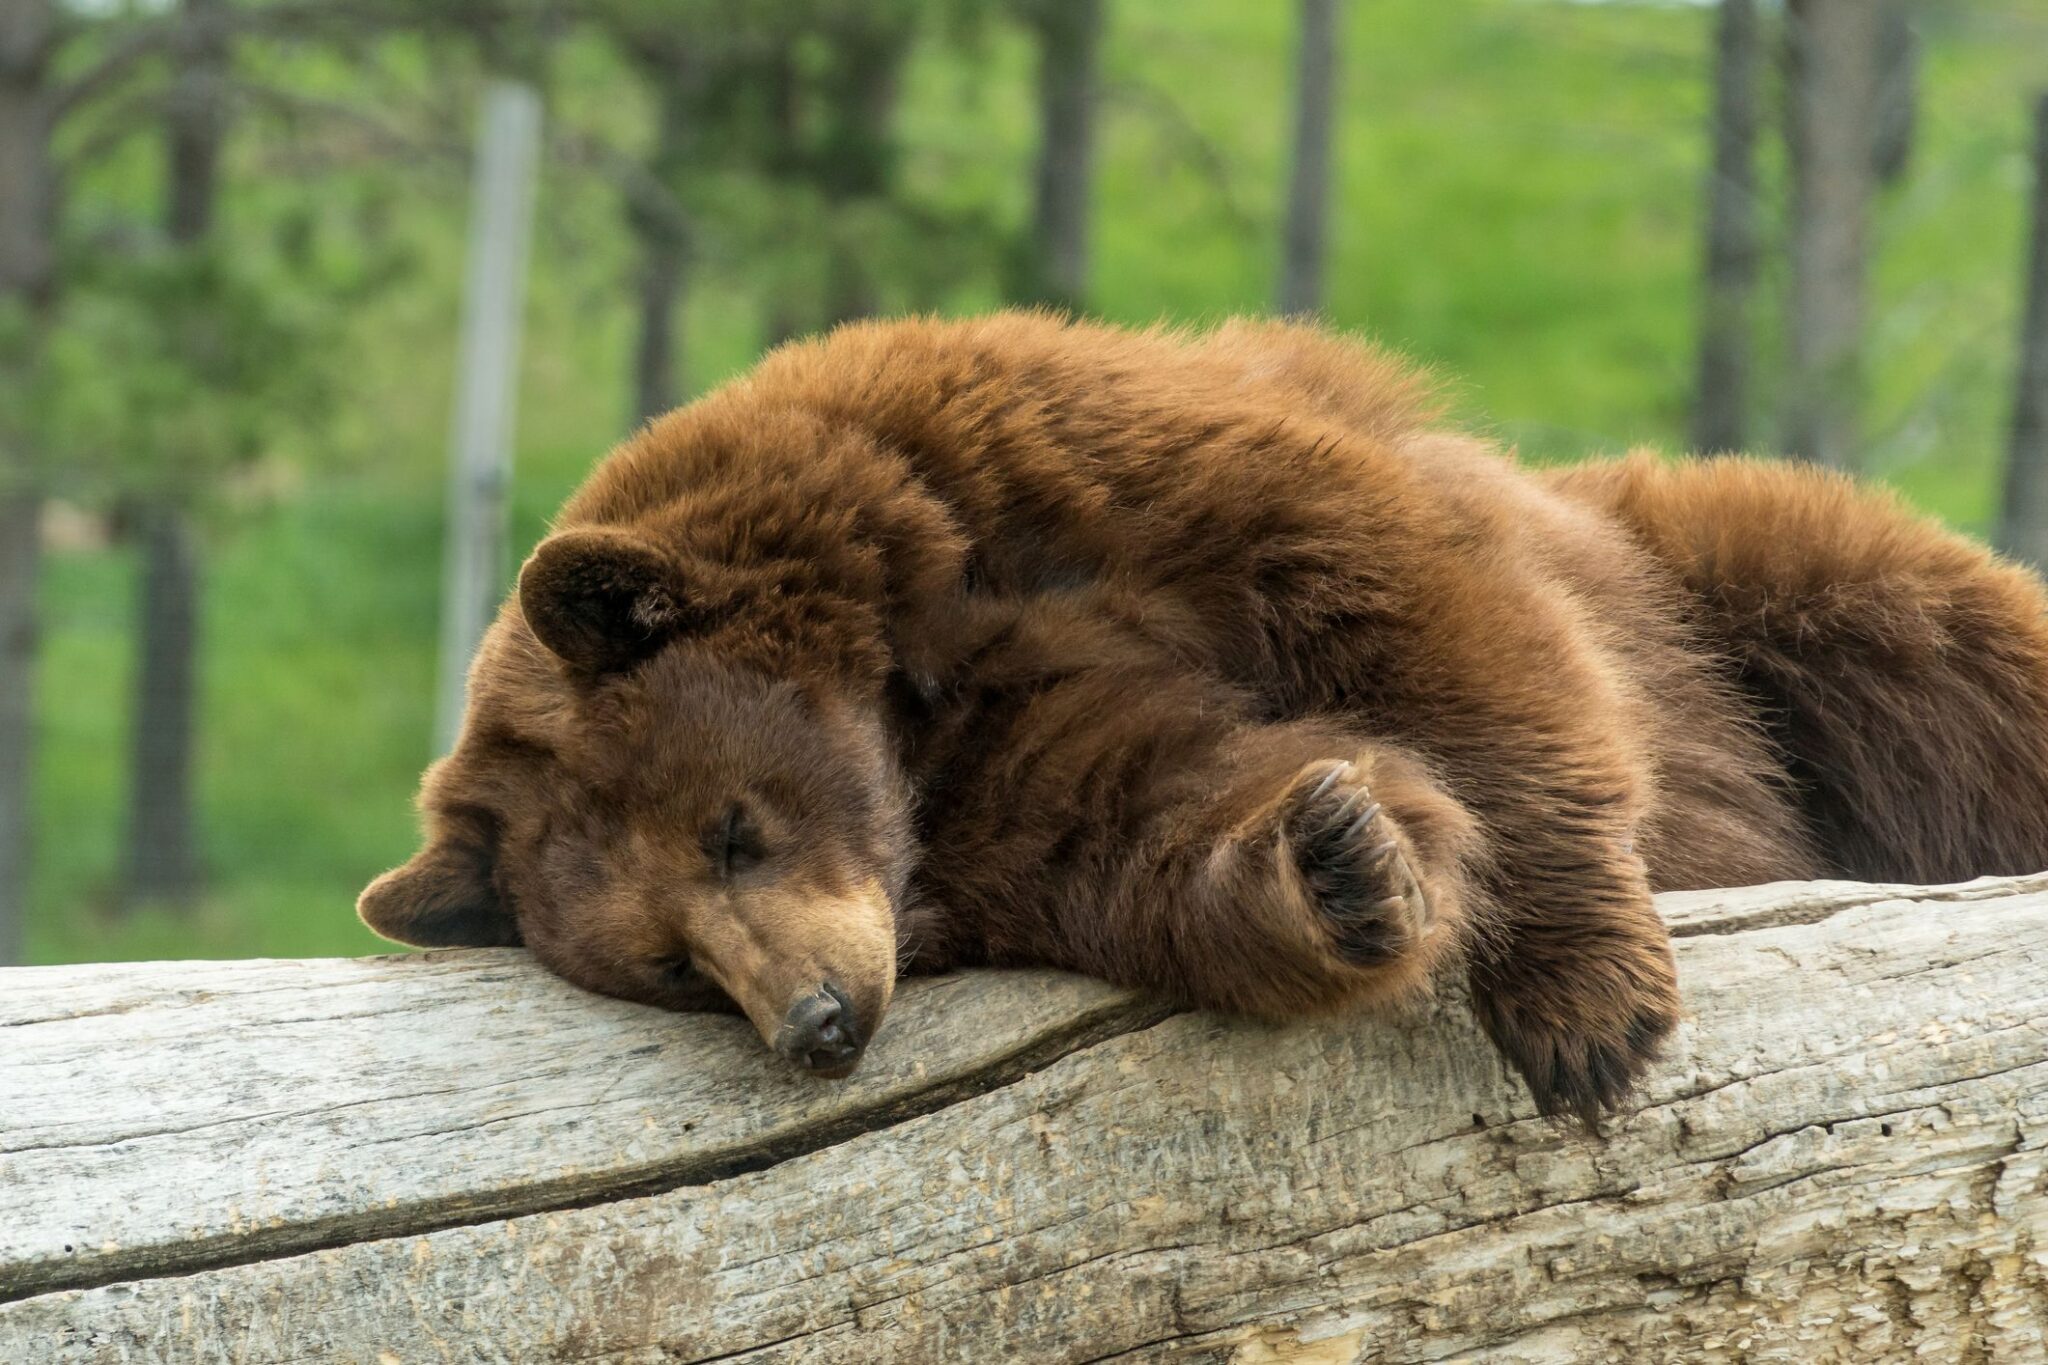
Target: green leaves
170 365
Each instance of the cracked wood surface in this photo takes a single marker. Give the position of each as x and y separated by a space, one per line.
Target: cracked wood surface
1844 1157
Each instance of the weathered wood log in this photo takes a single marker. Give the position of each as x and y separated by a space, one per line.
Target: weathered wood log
456 1157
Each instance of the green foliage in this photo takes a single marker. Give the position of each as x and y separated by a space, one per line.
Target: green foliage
1517 203
768 146
173 364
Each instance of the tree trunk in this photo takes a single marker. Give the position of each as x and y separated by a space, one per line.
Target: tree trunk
27 171
195 126
1842 1157
475 566
2023 528
1069 97
163 861
787 316
1721 418
18 556
163 866
658 352
1832 93
1305 240
859 161
1898 91
661 226
27 275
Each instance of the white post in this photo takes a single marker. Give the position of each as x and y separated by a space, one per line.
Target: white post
480 439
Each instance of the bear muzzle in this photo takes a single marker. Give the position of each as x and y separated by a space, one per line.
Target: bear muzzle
813 971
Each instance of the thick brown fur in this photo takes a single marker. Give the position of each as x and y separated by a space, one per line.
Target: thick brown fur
1211 664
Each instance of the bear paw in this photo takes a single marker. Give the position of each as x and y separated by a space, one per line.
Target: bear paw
1581 1039
1351 861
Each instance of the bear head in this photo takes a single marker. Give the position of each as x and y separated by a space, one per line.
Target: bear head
661 814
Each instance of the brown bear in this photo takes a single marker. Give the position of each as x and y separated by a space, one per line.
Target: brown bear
1209 664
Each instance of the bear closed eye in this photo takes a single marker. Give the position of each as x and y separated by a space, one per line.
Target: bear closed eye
1269 693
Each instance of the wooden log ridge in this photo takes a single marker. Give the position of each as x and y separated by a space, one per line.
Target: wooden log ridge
456 1157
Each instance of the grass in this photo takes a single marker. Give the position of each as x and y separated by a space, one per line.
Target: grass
1516 204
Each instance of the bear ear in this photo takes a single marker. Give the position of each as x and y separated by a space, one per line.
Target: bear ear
601 599
443 898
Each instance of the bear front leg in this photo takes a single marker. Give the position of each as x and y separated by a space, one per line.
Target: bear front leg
1578 989
1574 980
1143 829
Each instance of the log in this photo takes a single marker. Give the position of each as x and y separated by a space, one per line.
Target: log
456 1157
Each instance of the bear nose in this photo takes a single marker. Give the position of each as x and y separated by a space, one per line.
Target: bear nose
820 1032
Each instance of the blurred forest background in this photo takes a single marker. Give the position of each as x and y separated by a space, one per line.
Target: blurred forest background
233 237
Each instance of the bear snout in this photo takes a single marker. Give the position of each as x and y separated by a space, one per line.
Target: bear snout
821 1032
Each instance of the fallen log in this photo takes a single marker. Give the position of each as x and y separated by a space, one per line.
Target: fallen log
456 1157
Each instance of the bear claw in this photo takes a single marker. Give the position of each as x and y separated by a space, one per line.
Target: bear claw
1350 859
1584 1073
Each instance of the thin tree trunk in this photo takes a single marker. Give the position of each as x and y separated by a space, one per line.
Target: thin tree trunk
661 226
786 317
474 570
1069 96
163 863
1304 243
1832 51
1898 91
1721 418
860 160
18 556
27 172
27 256
2023 529
657 354
195 128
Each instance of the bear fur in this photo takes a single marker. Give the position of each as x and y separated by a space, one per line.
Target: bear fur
1211 664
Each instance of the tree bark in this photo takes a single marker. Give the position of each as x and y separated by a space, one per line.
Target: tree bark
163 865
1721 414
475 564
1305 238
658 350
28 184
28 176
859 162
786 316
19 553
1069 99
196 126
1843 1157
661 226
163 860
2023 525
1832 91
1898 91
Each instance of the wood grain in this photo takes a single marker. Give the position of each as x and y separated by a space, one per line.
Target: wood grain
457 1158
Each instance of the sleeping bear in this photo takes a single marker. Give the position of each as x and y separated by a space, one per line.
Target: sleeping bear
1206 663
